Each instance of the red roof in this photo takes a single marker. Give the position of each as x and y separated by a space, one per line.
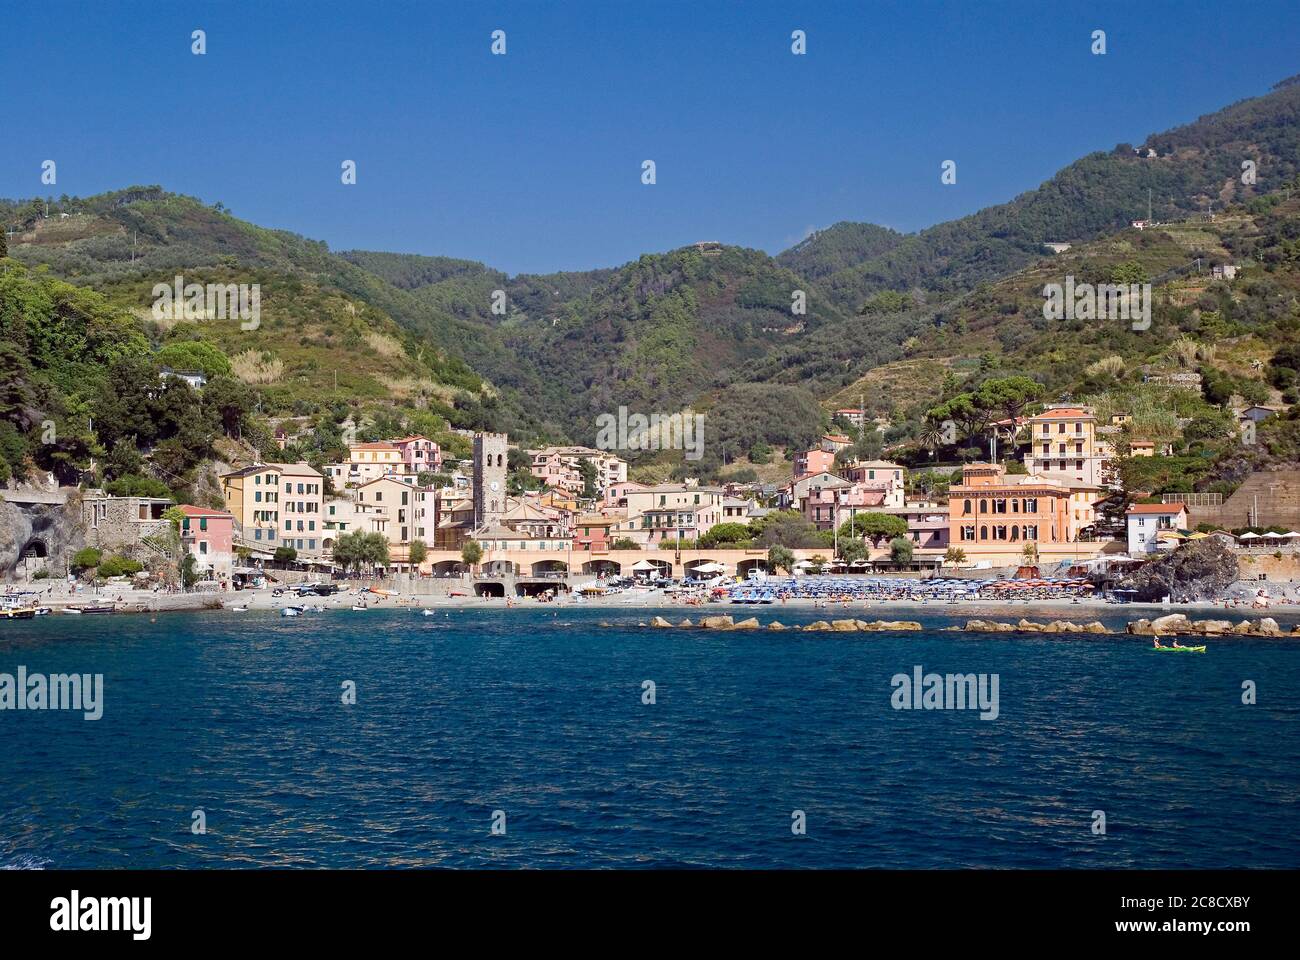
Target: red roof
1062 412
192 511
1157 508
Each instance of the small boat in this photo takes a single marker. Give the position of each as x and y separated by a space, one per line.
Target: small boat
359 606
17 613
100 608
71 610
243 609
44 611
429 613
291 612
1179 649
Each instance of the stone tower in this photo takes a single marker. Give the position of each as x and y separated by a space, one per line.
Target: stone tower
490 460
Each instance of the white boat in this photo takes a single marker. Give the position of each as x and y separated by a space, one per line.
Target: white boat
291 612
71 610
240 609
359 606
429 613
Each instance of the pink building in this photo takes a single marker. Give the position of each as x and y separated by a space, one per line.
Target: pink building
420 454
829 507
616 493
209 536
814 461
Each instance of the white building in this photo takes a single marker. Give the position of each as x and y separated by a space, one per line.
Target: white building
1147 520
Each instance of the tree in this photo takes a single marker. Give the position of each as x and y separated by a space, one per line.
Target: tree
851 550
86 558
587 471
189 573
417 554
285 554
780 558
729 532
874 526
471 553
348 550
624 543
374 550
1030 553
900 550
955 556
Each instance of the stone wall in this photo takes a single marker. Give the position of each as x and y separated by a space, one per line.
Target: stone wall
1276 494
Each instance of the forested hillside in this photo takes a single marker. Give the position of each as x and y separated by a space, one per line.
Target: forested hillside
1195 165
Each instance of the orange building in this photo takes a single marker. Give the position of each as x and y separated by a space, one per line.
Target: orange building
992 514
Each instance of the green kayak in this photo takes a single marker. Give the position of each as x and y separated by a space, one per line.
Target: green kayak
1179 649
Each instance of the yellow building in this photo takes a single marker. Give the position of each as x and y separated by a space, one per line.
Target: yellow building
1064 446
277 504
366 462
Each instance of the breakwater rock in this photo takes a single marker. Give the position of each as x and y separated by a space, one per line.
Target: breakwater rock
817 626
1179 624
1029 626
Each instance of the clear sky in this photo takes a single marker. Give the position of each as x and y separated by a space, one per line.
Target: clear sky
532 161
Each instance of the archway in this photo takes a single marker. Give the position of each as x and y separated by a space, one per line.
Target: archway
602 568
500 568
553 568
491 588
756 563
448 568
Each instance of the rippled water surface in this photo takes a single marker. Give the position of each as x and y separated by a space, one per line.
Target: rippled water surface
539 713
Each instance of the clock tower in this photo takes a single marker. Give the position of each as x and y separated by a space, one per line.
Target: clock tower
490 465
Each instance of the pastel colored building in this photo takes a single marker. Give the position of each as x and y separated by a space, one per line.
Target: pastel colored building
277 504
1064 445
209 537
813 461
992 513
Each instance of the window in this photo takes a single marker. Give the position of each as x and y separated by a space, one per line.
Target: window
984 505
203 546
203 523
966 508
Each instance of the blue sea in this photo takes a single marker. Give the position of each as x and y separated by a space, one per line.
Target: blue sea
535 720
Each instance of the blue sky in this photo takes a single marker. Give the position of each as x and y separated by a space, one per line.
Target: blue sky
532 161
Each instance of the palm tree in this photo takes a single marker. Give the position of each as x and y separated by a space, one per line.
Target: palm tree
956 556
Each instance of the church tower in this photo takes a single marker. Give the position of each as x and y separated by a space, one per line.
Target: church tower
490 465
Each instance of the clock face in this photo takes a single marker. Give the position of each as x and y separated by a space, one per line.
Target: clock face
494 485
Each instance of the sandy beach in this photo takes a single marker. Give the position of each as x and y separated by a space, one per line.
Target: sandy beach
57 597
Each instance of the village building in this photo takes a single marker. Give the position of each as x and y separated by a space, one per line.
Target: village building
992 512
209 537
1064 446
1146 521
675 511
117 524
813 462
277 504
882 474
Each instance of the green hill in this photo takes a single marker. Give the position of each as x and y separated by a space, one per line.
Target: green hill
1195 165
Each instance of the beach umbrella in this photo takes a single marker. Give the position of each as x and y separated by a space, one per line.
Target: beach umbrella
1249 536
1272 536
1291 534
644 565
